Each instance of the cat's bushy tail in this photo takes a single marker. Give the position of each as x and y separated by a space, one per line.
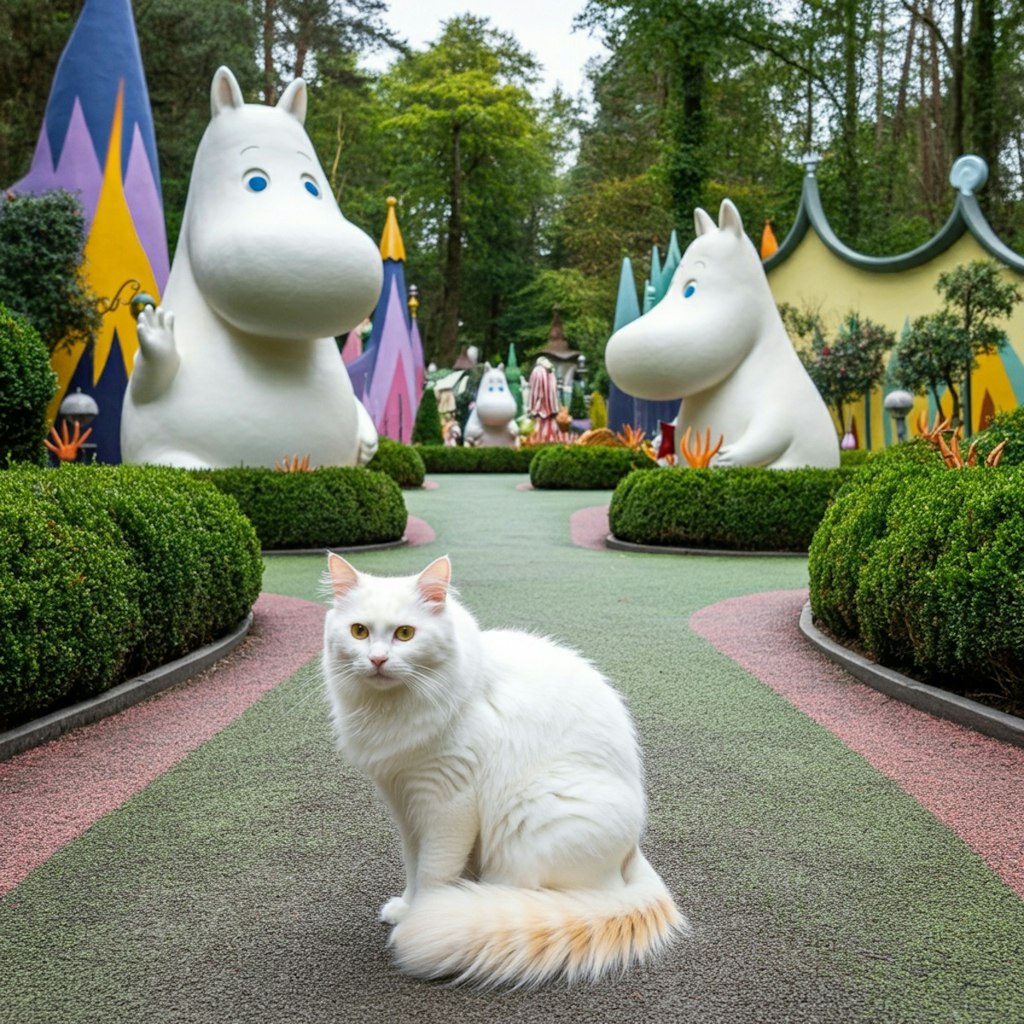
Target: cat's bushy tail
491 935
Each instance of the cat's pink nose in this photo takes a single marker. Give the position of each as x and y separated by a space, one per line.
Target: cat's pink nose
378 660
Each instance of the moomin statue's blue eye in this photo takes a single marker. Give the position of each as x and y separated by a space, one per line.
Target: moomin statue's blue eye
689 290
255 181
310 185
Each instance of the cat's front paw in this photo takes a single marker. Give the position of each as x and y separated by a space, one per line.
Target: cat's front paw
394 910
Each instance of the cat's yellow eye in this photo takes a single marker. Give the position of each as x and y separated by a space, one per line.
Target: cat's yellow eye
359 631
405 632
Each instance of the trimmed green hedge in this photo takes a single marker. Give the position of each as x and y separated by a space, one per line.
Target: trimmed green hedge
1008 426
583 467
442 459
853 525
925 567
742 509
328 507
402 463
108 571
27 384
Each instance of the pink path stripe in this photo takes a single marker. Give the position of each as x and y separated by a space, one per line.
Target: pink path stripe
971 783
588 527
53 793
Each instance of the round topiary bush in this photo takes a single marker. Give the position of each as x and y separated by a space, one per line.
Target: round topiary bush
105 571
851 527
942 592
199 557
27 385
584 468
743 509
1008 426
402 463
328 507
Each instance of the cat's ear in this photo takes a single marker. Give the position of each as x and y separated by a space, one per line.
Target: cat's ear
434 580
343 576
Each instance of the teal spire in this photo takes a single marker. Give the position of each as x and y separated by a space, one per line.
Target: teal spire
514 379
627 307
650 295
655 275
673 257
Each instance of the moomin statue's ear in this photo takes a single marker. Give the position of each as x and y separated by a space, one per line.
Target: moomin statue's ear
225 93
729 218
293 100
702 222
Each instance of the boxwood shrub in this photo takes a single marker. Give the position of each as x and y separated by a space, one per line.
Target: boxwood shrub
329 507
584 468
27 383
402 463
853 525
106 571
742 509
943 591
442 459
1008 426
939 592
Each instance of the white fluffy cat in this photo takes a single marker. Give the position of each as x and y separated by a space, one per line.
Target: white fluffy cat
511 769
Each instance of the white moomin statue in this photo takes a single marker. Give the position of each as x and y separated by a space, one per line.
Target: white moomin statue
716 341
239 365
492 423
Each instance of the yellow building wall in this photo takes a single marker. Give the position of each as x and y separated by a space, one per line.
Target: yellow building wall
812 278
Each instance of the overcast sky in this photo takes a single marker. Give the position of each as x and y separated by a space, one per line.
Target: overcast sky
543 27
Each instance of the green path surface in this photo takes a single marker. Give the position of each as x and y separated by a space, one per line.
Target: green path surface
242 885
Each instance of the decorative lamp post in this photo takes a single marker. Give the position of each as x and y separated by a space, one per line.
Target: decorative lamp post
140 300
898 404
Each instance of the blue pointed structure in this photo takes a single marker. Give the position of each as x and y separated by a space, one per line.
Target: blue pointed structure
624 409
97 141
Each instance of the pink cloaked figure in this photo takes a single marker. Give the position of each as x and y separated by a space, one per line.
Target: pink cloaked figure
544 402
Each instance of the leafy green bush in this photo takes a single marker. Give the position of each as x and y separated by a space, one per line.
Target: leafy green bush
584 467
442 459
855 457
329 507
41 239
853 525
942 592
27 384
1008 426
219 569
402 463
105 571
427 427
743 509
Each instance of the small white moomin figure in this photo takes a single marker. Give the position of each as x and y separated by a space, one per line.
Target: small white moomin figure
716 341
492 423
239 365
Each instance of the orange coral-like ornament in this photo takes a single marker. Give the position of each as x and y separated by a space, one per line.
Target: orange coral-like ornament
701 454
294 464
67 446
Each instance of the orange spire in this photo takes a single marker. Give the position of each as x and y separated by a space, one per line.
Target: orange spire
769 243
391 245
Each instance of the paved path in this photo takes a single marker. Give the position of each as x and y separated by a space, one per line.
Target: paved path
207 857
